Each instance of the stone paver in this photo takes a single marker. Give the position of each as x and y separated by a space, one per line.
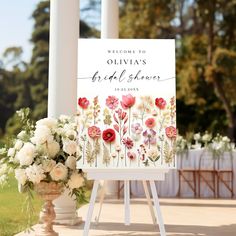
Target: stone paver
182 217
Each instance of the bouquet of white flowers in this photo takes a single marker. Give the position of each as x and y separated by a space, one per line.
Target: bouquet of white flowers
45 151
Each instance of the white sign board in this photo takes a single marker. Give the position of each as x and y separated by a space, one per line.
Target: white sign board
126 103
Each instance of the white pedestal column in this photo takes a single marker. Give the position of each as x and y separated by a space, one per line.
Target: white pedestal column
110 29
64 33
110 19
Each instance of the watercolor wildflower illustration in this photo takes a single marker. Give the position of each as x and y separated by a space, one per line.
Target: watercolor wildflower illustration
127 131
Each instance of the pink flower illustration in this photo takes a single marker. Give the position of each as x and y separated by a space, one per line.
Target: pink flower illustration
160 103
94 132
128 142
127 101
112 102
136 128
149 136
150 123
121 114
171 132
131 155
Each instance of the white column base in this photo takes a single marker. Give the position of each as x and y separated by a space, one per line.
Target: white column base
65 209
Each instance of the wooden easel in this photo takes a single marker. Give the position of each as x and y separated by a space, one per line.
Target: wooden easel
150 175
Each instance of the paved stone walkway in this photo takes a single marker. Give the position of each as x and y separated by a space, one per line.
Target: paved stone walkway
182 217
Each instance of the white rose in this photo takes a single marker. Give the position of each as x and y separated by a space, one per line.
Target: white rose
59 172
48 165
21 176
26 154
11 152
22 135
18 145
53 148
70 147
76 181
51 123
71 162
35 173
42 134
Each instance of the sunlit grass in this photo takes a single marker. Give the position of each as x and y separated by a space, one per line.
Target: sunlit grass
12 217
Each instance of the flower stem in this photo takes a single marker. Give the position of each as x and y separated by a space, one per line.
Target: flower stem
129 119
118 159
125 157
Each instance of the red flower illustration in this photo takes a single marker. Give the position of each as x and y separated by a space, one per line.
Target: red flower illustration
150 123
160 103
128 142
83 103
109 135
171 132
94 132
127 101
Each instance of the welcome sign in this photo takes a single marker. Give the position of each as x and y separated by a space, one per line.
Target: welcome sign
126 103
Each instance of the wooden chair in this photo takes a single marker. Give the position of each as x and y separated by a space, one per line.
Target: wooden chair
120 187
207 168
223 172
187 174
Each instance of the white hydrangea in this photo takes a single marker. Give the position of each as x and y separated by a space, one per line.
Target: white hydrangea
18 145
71 162
76 181
51 123
69 147
59 172
42 134
35 173
21 176
26 154
48 165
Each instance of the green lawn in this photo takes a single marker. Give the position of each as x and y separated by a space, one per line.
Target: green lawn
12 217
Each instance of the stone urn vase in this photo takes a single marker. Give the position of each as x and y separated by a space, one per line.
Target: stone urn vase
48 192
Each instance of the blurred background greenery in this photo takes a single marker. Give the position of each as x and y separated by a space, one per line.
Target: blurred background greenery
205 58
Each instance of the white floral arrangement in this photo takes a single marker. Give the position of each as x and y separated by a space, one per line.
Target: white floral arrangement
44 151
217 144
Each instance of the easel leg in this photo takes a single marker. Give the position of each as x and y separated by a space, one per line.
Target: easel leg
145 187
91 207
101 201
127 202
158 209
